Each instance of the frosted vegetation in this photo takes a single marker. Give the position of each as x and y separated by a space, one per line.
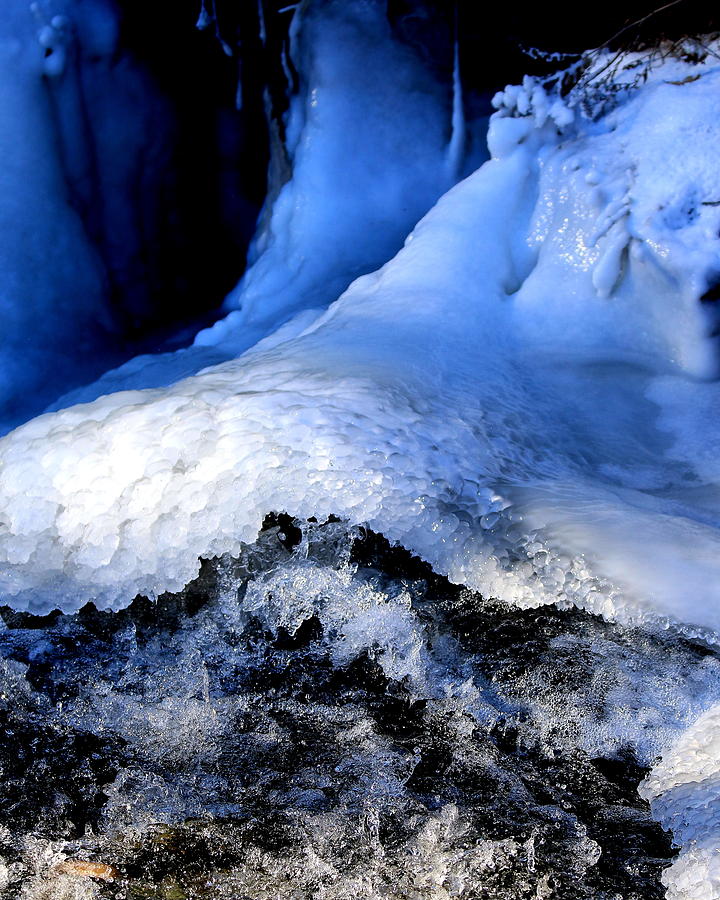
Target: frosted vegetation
524 396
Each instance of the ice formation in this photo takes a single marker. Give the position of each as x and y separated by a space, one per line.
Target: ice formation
365 165
683 791
521 437
52 282
74 142
321 717
522 396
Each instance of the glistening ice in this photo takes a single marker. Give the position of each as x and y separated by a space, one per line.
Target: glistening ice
524 396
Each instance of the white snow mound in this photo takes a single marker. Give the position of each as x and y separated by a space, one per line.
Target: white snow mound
502 397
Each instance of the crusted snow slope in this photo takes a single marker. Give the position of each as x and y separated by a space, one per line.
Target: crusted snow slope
483 398
366 153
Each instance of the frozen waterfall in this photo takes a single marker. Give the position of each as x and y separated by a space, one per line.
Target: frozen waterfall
513 378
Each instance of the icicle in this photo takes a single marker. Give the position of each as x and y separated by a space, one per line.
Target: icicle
287 47
456 147
292 38
227 49
204 19
261 20
239 88
286 65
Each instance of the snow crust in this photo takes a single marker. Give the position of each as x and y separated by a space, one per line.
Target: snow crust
480 398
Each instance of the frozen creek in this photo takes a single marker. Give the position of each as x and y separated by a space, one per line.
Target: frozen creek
322 716
492 672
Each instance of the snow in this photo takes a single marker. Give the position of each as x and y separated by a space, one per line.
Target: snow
522 396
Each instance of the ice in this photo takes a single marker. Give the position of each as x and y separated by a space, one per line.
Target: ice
74 140
261 734
457 373
364 169
683 792
355 172
52 282
523 396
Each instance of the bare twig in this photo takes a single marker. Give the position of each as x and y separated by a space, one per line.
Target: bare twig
640 21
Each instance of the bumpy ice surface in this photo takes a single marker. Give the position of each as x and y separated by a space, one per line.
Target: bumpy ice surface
528 441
